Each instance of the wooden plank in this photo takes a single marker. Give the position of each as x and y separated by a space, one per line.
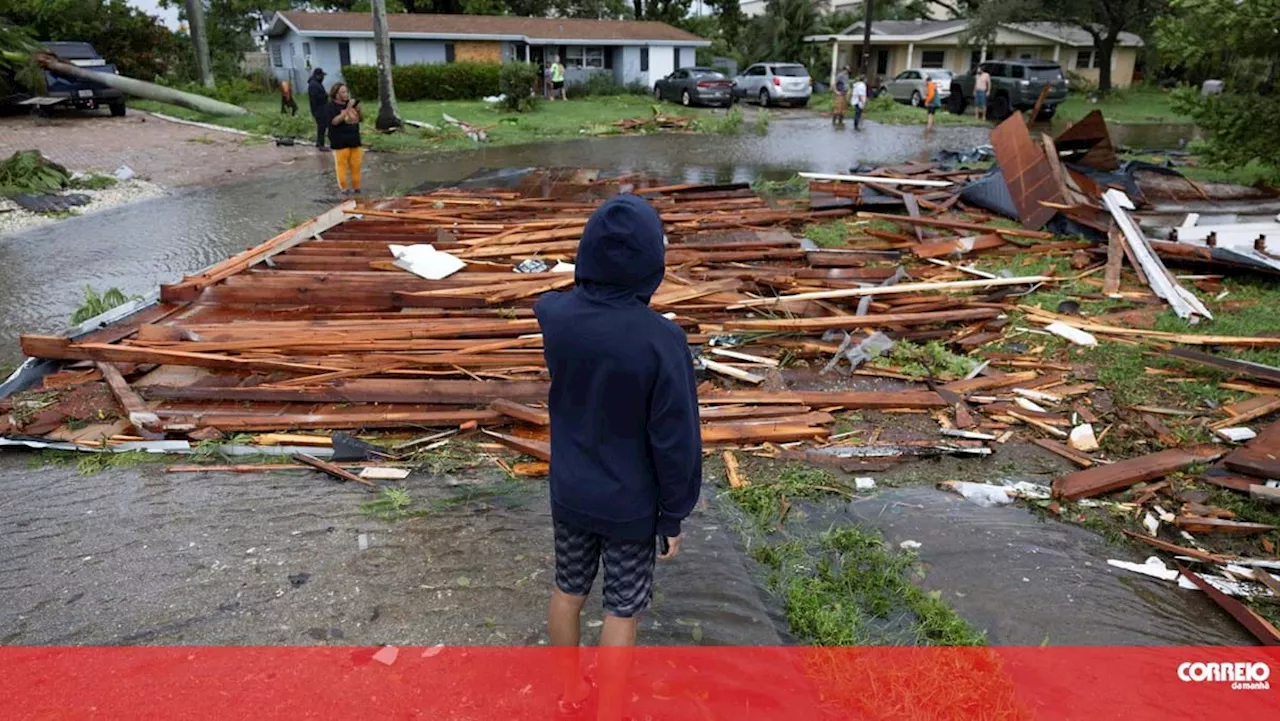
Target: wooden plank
140 416
1115 262
731 371
1266 634
936 222
363 390
1096 481
1251 371
528 446
1176 549
760 433
1205 524
1260 457
950 286
521 412
58 348
1076 457
878 320
346 418
331 469
1183 302
734 473
849 400
958 246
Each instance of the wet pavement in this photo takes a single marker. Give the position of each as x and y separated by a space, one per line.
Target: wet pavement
143 556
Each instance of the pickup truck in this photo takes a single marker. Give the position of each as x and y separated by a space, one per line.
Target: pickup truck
1015 85
82 93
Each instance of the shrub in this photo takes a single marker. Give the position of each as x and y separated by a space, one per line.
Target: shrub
604 85
1080 84
516 81
435 81
1240 126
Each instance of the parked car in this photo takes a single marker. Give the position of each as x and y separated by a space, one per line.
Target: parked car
1015 85
909 85
770 83
703 86
83 94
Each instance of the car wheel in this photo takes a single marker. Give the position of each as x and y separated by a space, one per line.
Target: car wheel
764 98
955 102
685 100
657 93
1000 108
916 100
802 103
118 110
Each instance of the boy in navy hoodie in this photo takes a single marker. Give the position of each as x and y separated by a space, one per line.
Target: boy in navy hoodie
626 446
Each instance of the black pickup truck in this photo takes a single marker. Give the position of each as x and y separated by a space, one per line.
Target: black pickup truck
82 93
1015 85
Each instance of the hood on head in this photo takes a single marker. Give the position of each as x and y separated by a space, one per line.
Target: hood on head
621 255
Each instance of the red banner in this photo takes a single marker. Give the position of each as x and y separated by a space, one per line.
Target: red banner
671 684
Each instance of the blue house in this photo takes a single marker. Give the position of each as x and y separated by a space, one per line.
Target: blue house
629 51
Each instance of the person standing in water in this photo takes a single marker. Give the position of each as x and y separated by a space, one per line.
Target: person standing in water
859 101
841 87
981 86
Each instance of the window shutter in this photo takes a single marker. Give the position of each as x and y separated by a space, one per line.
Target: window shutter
448 52
563 52
644 60
608 58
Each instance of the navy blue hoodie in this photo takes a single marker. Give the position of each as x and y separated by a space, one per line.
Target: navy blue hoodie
626 448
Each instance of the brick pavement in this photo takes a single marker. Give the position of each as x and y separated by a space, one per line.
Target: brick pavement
166 153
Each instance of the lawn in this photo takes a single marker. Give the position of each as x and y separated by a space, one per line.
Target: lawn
550 121
1137 106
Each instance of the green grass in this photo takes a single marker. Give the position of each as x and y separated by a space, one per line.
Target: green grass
1253 173
851 589
95 305
831 234
920 361
558 120
766 499
1133 106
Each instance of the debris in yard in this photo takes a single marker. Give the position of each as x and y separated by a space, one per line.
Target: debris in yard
386 655
1123 474
656 122
910 545
1082 438
736 479
476 133
331 469
982 494
384 473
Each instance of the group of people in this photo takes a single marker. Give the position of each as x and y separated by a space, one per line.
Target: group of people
859 98
337 117
932 98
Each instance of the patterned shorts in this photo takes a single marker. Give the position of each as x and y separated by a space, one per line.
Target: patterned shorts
628 569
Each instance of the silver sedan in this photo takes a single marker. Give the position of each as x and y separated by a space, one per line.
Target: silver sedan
909 85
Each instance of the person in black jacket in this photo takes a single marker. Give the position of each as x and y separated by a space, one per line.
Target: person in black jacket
319 100
626 448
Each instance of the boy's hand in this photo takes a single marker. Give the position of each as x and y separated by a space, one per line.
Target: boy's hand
673 547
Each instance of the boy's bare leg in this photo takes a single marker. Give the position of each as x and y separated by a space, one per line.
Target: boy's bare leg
617 640
564 626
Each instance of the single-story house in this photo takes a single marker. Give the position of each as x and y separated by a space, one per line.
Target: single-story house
630 51
897 45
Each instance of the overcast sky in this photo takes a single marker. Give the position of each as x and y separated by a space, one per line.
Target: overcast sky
152 7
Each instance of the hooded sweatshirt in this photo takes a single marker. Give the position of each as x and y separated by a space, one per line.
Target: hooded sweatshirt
316 93
626 448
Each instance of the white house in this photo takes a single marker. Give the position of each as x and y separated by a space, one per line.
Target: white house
630 51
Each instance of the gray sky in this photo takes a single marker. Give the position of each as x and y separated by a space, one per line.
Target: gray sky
152 7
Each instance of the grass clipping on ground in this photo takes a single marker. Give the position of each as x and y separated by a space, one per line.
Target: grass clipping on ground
845 586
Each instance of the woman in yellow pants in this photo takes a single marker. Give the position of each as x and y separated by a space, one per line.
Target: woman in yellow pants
343 114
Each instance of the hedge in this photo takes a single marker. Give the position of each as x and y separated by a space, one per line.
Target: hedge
435 81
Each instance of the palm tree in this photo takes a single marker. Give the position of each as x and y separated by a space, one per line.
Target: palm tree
388 110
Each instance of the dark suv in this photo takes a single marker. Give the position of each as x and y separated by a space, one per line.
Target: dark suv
83 93
1015 85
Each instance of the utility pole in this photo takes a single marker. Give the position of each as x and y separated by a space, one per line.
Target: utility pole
200 42
388 110
866 43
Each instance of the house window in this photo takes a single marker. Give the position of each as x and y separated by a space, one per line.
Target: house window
975 58
448 52
276 59
344 53
644 60
579 56
1088 59
933 59
882 62
306 49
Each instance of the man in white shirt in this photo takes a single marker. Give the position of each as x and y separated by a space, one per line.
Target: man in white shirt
859 99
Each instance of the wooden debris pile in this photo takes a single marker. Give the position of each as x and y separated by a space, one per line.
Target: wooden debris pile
655 123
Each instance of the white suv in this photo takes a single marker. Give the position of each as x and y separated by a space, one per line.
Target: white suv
769 83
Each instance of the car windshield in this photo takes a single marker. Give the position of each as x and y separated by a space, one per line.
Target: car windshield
706 74
1045 73
790 71
940 74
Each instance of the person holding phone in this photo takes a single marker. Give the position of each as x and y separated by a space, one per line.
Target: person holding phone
626 445
343 118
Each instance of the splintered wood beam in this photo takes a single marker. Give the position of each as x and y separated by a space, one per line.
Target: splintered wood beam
896 289
878 320
934 222
362 390
331 469
849 400
528 446
59 348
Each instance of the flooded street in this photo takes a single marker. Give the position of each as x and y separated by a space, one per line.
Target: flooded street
139 555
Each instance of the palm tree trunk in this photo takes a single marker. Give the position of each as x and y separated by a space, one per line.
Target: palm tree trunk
388 110
141 89
200 42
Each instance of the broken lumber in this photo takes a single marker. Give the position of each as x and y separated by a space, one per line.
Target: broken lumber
528 446
894 289
331 469
732 471
521 412
1096 481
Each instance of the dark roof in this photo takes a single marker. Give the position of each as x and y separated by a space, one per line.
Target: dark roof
907 27
493 25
